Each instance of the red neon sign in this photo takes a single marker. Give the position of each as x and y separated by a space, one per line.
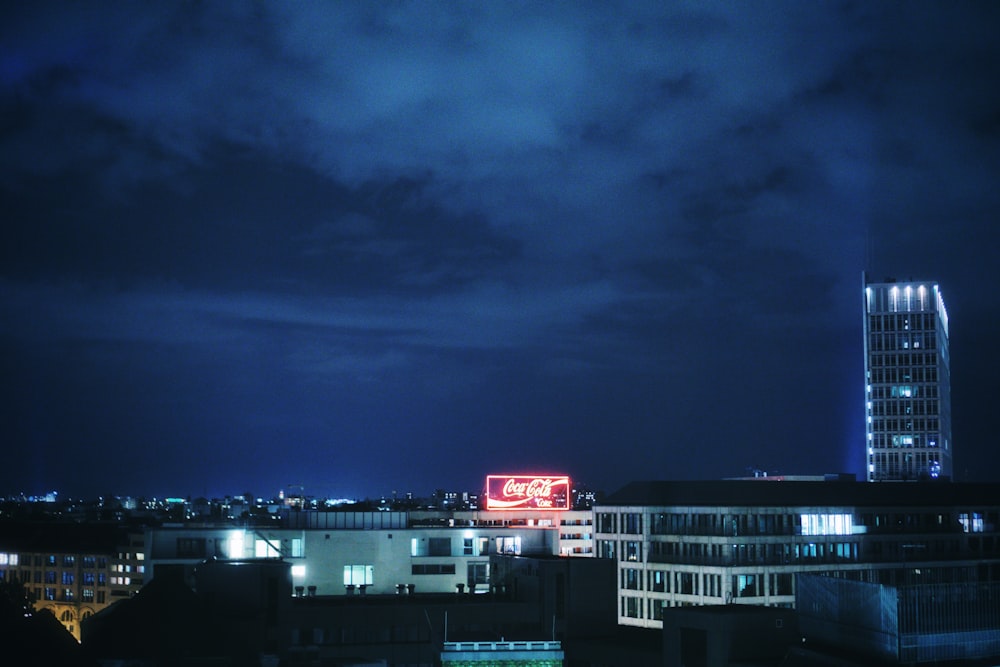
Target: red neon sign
532 492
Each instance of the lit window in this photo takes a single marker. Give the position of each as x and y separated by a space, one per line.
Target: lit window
265 549
509 545
971 523
299 571
828 524
358 575
234 545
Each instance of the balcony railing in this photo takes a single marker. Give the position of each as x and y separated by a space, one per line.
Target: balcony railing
503 646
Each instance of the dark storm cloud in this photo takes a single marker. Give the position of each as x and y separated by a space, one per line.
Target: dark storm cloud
437 232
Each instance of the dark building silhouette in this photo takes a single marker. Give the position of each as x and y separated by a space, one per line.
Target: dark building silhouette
245 613
29 637
728 634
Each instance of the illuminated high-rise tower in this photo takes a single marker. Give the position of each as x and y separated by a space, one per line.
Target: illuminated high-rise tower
907 382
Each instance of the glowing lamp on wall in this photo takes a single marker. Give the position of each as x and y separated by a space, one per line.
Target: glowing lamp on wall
527 492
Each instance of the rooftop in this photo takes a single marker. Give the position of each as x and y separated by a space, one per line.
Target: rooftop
770 493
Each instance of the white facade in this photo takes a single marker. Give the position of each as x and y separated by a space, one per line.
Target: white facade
576 527
364 560
907 382
679 544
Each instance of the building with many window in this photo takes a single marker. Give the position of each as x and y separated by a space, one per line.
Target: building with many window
743 541
73 570
354 553
907 382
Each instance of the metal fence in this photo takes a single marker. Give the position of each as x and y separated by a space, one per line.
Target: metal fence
909 624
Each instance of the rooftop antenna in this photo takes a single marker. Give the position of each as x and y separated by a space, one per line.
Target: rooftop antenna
869 248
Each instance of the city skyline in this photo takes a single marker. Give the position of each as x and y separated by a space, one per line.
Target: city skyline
373 246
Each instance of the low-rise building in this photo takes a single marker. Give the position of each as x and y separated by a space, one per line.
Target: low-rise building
358 553
743 541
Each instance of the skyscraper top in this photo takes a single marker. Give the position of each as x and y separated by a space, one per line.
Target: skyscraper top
892 296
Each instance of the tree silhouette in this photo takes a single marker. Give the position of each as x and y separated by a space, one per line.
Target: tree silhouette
15 603
29 637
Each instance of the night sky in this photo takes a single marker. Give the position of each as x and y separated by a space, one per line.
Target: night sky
367 247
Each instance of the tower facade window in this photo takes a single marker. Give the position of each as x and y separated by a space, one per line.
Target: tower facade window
907 382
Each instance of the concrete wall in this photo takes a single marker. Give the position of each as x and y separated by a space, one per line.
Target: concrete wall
325 553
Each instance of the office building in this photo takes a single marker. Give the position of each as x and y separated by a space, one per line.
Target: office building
907 382
743 541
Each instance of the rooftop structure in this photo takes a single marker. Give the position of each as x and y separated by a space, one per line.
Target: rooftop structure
514 654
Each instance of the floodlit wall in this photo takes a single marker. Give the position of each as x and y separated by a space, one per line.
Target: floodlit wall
910 624
356 562
840 612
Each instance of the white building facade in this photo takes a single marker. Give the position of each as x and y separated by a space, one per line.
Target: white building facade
680 544
359 553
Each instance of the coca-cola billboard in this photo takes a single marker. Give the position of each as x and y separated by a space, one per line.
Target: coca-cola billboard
527 492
